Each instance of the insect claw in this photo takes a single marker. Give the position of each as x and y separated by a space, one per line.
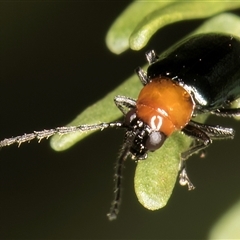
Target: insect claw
112 216
184 179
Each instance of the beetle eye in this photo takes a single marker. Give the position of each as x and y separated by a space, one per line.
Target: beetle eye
155 140
130 116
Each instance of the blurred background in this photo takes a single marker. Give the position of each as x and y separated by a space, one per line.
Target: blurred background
54 63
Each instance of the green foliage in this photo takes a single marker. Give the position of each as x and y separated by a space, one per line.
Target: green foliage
155 178
227 227
138 23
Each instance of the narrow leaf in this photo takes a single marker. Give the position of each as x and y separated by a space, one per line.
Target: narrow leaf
174 12
155 177
102 111
227 227
117 38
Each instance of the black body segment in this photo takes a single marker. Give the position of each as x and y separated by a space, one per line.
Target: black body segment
208 66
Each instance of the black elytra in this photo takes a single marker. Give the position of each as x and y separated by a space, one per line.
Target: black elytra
208 64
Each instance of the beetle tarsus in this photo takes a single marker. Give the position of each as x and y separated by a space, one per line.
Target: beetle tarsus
112 215
184 179
142 75
151 56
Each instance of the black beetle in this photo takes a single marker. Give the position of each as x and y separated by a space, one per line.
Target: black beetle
201 74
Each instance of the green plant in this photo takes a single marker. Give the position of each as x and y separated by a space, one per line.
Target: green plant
156 177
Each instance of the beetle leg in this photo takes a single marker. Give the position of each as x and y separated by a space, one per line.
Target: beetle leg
232 112
203 135
199 135
203 139
151 56
142 75
124 103
201 153
214 132
183 177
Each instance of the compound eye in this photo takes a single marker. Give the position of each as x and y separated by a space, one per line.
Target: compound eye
130 116
155 140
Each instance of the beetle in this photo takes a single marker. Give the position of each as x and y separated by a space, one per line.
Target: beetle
198 75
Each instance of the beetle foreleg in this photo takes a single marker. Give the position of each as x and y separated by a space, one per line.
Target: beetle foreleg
124 103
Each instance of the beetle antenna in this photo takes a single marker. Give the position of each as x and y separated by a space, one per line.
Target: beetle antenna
39 135
112 215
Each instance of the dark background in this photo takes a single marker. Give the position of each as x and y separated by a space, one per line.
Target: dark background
53 64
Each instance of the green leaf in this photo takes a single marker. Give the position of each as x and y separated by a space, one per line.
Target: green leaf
227 227
155 177
117 38
97 113
225 23
138 23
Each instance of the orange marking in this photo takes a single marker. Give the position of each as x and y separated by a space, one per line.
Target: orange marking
164 105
